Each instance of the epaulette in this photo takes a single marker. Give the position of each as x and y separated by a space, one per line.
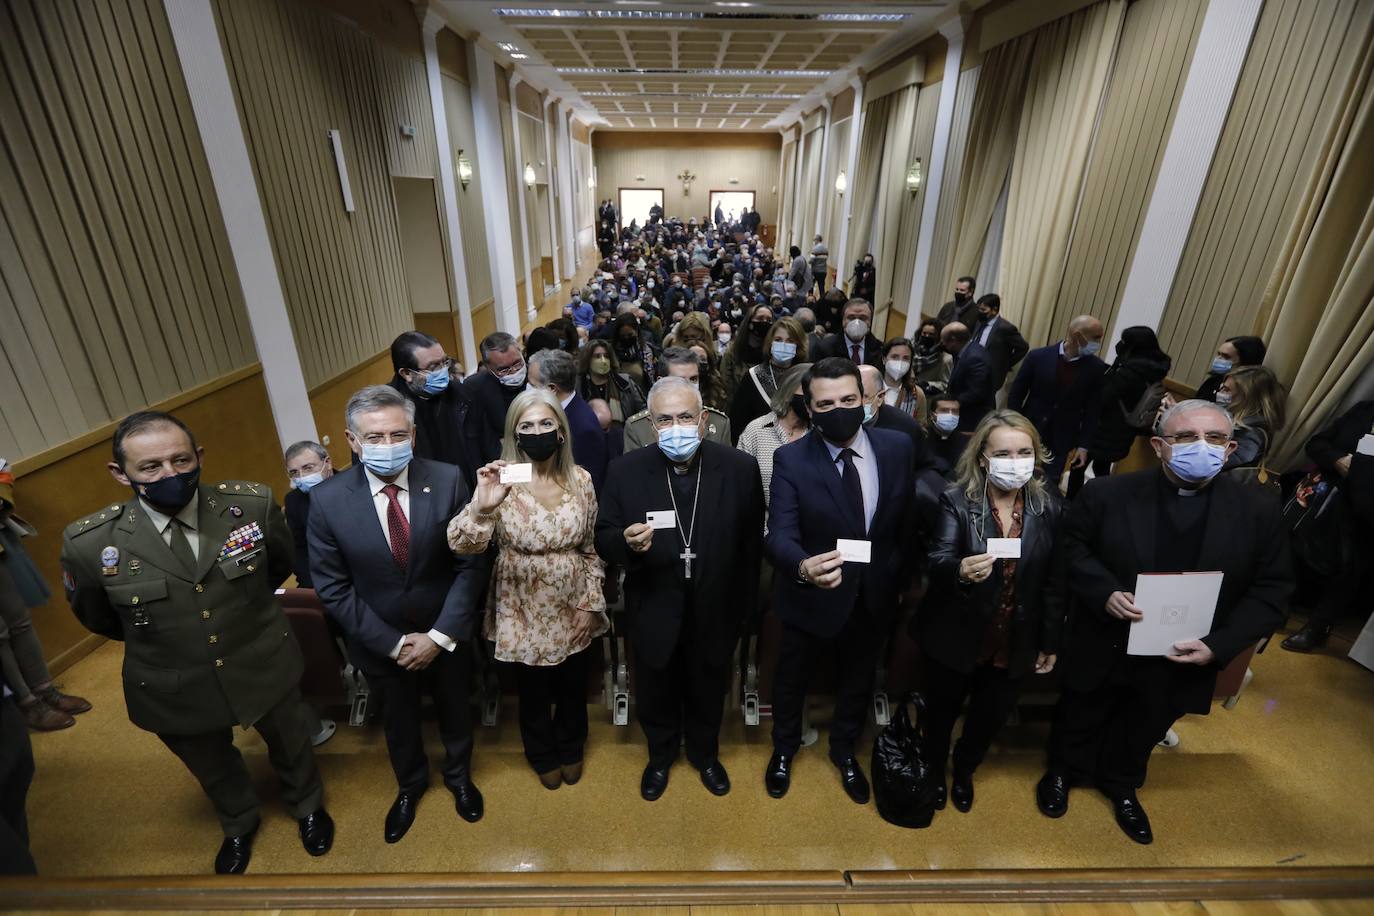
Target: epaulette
719 413
98 519
639 416
245 488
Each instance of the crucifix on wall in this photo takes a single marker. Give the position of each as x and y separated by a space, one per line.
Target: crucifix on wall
686 177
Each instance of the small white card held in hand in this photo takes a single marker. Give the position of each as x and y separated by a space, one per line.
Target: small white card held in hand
1176 607
1366 445
517 473
854 551
664 518
1005 548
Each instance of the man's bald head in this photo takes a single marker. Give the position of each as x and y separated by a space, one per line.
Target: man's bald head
872 378
954 337
1086 324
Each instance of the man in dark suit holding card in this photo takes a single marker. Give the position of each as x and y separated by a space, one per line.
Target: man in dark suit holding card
1180 518
381 563
841 537
685 520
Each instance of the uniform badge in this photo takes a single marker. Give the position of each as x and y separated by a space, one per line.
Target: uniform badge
68 582
135 567
140 617
236 512
109 561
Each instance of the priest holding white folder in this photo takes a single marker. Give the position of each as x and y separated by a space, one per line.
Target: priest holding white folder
1182 518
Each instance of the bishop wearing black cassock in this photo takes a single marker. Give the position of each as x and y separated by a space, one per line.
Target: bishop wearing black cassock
685 520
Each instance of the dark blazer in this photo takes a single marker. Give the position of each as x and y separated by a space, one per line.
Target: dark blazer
1005 345
967 314
947 450
357 579
900 421
1123 385
489 401
588 440
807 513
1109 537
952 619
1066 419
725 574
297 507
838 345
448 428
971 383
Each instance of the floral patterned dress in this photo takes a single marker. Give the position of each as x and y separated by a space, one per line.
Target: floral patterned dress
546 571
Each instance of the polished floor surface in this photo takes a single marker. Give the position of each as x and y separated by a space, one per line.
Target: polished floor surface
1287 777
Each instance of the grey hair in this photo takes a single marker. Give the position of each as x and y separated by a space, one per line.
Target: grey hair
305 445
377 397
670 383
1189 406
496 342
556 368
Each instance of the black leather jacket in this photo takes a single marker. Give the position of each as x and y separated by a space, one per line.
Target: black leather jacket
951 621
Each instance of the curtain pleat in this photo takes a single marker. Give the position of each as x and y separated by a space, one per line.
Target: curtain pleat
865 181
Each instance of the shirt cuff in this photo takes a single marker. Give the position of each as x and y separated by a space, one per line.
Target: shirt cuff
396 652
442 641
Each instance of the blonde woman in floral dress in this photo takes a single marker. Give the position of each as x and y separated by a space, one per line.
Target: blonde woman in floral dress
545 605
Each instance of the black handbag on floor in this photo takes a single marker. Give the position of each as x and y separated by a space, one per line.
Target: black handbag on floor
903 785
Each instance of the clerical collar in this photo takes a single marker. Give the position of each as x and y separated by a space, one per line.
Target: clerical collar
683 469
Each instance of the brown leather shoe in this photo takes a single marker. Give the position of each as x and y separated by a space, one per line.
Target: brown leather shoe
43 718
71 705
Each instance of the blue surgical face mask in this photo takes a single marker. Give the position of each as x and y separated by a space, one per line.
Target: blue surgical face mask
306 482
1196 462
783 351
946 422
386 460
1090 348
1221 366
435 381
679 443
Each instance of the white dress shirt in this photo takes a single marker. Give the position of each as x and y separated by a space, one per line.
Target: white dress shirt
867 464
987 330
1063 355
380 501
187 516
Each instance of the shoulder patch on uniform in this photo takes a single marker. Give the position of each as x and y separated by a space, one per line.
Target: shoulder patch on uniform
97 519
244 488
719 413
639 416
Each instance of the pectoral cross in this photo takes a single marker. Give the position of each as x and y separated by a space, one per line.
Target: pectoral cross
687 558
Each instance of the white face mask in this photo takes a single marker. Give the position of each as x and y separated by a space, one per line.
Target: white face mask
1010 473
897 368
856 329
1223 398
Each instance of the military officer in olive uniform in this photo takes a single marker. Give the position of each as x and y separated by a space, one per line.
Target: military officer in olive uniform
682 362
185 575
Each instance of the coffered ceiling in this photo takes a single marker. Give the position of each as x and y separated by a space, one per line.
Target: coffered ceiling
633 64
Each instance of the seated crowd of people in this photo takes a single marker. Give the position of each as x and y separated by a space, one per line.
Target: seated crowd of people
710 437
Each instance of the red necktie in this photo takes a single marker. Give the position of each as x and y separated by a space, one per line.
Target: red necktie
854 353
397 527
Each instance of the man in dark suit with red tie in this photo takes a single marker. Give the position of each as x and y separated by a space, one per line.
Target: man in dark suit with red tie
408 606
841 482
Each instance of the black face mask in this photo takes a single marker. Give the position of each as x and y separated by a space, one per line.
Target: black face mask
961 297
758 329
170 494
927 343
799 406
839 424
538 446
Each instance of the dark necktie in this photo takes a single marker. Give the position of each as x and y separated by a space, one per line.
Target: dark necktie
181 547
853 489
397 527
854 353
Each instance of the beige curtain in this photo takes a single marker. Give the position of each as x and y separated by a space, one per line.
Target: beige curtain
899 247
1147 79
1277 128
989 147
1067 80
1317 312
893 206
937 290
863 184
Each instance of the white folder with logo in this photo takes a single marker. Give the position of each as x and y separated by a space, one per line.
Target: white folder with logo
1177 607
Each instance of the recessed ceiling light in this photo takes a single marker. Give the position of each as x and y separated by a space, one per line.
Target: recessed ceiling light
505 46
732 3
668 71
518 56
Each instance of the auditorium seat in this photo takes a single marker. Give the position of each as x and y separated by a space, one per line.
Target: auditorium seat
329 679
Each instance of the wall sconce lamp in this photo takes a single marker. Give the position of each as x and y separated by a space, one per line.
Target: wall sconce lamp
464 169
529 175
913 177
841 183
591 182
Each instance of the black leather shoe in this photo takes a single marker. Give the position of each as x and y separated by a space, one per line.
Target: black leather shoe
1052 795
653 782
317 832
853 779
777 779
714 778
1132 820
234 854
468 801
961 792
401 816
940 794
1308 638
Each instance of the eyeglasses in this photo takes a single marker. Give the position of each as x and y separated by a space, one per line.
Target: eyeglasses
510 370
663 421
1188 438
306 470
445 363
